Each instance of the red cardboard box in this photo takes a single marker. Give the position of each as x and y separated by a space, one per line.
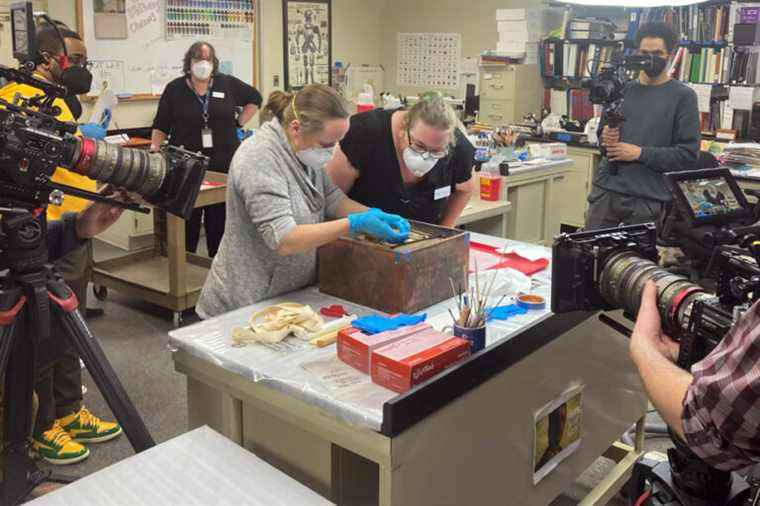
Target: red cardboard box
355 347
401 365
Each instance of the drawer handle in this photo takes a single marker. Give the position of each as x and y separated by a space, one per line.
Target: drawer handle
495 116
497 86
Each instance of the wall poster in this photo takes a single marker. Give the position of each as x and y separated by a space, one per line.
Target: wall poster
307 31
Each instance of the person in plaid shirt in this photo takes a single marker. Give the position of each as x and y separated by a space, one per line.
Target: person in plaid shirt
715 408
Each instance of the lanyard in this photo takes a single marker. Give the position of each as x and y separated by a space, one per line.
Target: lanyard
204 101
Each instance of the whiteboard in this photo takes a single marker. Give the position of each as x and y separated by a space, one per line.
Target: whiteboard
144 62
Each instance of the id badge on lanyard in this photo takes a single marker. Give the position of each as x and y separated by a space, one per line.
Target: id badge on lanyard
207 137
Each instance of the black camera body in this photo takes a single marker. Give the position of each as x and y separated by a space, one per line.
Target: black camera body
608 269
34 143
608 89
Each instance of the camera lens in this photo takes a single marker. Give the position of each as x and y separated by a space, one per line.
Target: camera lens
132 169
622 281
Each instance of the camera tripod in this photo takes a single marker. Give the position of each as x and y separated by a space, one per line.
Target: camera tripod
32 297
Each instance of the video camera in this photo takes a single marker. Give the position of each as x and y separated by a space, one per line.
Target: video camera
608 87
33 144
608 269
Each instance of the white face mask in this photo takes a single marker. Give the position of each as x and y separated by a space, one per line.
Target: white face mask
416 163
202 69
316 158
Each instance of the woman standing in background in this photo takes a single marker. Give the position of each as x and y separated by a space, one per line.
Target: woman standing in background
199 112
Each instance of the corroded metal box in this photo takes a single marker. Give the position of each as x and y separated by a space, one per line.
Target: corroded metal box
396 279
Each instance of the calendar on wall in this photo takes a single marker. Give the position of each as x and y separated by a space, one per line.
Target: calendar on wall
429 59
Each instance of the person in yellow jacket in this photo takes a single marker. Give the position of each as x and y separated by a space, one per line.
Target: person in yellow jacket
63 423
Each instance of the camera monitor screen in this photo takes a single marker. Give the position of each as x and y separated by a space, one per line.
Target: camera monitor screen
709 196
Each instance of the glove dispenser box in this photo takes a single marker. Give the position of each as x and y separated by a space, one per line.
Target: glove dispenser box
396 278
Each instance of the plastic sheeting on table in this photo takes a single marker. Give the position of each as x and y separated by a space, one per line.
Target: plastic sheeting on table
195 469
316 375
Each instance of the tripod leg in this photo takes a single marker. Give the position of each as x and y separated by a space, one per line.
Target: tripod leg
105 377
20 474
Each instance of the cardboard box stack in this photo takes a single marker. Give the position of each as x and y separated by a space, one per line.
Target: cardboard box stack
520 31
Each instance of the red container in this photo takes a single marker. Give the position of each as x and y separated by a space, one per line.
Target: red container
355 347
364 107
490 187
402 365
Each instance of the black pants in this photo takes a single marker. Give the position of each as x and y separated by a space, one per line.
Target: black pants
59 381
609 209
213 221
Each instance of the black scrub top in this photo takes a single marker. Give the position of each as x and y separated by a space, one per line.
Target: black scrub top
180 116
369 147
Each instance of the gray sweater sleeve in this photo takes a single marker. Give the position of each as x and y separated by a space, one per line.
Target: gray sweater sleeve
266 195
333 196
683 154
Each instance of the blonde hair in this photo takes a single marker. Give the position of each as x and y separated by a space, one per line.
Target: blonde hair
433 110
313 106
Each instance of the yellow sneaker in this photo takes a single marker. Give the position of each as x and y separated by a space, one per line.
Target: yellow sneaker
56 446
84 427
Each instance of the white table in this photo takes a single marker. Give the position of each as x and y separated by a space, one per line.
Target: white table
199 468
464 437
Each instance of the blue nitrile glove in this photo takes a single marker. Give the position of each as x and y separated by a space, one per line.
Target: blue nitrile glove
244 133
387 227
93 131
505 312
374 324
106 119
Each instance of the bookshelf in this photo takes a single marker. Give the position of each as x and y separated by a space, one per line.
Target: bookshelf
706 56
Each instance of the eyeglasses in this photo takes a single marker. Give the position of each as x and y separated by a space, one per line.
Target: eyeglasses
423 151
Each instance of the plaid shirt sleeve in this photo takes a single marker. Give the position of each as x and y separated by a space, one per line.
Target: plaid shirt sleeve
721 415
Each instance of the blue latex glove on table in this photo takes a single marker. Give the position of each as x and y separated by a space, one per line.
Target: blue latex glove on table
386 227
505 312
96 130
374 324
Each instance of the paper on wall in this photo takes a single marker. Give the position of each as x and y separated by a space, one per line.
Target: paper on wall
704 92
741 97
429 60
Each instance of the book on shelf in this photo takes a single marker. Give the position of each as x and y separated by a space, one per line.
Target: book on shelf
743 68
573 103
575 60
700 23
702 65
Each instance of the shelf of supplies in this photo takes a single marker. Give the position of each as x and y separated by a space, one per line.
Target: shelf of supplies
703 43
606 42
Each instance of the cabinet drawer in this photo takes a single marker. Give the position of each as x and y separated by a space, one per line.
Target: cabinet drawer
498 84
497 112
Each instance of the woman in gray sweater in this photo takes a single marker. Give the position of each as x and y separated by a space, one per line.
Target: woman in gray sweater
279 200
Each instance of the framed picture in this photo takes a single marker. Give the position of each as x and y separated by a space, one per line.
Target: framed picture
110 19
307 33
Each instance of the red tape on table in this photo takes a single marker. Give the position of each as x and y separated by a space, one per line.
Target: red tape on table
511 260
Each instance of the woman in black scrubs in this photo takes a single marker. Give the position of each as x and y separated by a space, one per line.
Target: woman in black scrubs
413 163
200 112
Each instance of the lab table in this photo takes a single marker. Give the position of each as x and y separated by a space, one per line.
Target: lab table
463 437
164 274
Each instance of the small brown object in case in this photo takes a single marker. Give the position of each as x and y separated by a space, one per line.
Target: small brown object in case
396 279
